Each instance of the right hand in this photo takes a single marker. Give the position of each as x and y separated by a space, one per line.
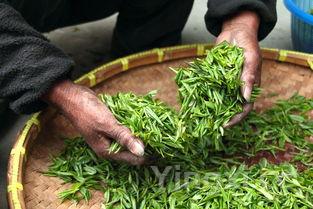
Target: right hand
242 29
95 122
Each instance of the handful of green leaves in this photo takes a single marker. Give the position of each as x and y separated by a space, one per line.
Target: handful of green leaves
209 92
151 120
189 177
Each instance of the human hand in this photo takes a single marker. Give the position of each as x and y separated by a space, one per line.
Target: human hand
242 30
95 122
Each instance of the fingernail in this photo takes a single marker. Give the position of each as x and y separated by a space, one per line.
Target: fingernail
246 94
138 149
234 42
226 125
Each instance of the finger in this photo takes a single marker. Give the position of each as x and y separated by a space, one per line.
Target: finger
248 77
125 138
127 157
250 73
240 116
100 145
257 81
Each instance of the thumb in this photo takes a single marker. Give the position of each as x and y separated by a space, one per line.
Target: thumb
250 74
101 146
125 138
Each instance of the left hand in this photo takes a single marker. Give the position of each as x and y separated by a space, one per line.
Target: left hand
95 122
242 30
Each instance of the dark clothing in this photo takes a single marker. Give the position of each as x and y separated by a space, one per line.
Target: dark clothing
29 64
218 10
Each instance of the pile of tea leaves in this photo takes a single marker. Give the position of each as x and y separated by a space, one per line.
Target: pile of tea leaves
217 184
200 164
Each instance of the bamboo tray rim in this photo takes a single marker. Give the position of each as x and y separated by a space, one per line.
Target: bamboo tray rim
17 159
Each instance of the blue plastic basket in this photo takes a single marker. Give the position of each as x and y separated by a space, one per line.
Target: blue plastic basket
301 24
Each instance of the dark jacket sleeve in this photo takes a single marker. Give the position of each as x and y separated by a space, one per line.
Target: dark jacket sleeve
219 10
29 64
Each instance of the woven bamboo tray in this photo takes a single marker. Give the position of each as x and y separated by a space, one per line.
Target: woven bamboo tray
283 73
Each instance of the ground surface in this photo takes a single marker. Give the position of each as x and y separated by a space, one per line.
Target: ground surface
88 44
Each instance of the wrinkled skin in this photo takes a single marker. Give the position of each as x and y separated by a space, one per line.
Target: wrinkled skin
95 122
242 30
98 125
